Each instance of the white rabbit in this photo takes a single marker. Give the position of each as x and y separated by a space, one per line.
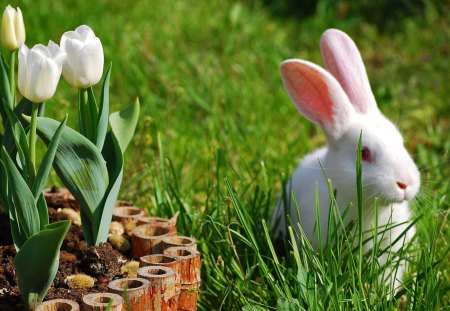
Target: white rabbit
341 102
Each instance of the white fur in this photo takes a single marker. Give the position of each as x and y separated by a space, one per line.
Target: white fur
391 162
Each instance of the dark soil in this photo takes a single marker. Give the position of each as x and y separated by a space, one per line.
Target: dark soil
101 262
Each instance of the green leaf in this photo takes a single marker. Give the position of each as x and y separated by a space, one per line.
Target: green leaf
47 161
87 221
123 123
23 198
37 262
4 186
93 113
102 124
42 208
42 175
81 168
4 85
87 114
17 234
6 197
114 159
24 107
78 163
15 138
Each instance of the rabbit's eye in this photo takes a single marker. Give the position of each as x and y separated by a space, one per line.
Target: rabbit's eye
365 154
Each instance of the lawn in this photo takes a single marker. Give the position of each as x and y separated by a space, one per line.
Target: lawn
218 134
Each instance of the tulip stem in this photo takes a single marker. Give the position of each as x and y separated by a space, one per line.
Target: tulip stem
86 115
12 77
32 142
82 95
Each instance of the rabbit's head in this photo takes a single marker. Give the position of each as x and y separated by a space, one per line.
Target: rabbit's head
341 101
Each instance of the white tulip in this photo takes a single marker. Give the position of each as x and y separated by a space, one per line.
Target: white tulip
84 65
39 71
13 29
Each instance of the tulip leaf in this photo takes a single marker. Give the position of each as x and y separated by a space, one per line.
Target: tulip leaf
114 159
93 112
102 125
81 167
123 124
42 175
23 199
77 162
4 85
87 221
87 113
37 262
15 137
24 107
46 164
6 198
42 208
4 186
18 236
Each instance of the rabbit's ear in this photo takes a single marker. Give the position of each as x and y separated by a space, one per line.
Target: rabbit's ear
343 60
317 95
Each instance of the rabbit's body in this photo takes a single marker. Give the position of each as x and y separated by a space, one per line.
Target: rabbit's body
303 183
344 106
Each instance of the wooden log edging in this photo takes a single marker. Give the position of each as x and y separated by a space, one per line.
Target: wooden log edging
159 222
179 240
163 295
58 305
126 214
190 263
100 301
166 261
188 298
134 291
147 240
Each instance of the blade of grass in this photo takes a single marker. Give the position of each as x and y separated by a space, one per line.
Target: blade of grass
360 217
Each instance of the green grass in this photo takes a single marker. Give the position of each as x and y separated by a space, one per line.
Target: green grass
218 136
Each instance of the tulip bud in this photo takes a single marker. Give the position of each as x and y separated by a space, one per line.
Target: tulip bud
39 71
13 29
84 65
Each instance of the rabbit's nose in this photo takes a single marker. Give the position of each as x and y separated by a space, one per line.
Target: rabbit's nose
401 185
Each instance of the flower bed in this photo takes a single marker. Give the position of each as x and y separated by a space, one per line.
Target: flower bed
102 262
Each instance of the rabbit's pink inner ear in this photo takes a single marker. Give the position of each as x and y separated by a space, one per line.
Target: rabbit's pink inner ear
309 92
343 60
